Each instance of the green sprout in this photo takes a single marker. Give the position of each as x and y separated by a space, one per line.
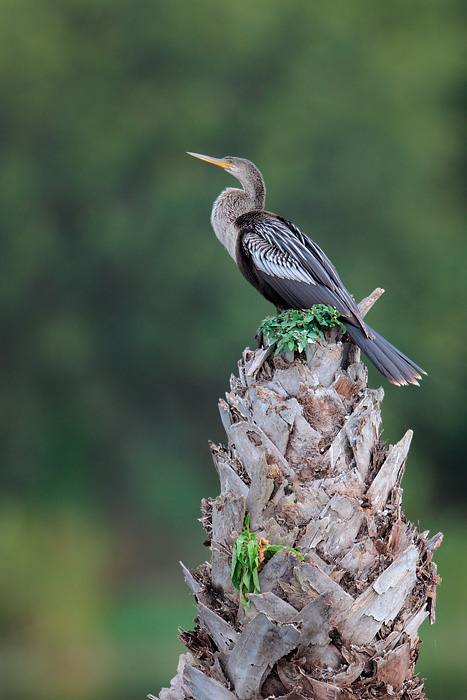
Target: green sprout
295 329
247 554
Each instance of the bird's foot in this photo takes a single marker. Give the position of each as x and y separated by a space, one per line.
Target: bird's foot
260 339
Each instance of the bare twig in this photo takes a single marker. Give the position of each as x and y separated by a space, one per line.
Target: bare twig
366 303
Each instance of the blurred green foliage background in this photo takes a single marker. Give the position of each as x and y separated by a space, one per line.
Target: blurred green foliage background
122 317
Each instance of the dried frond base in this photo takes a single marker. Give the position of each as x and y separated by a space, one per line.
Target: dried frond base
305 459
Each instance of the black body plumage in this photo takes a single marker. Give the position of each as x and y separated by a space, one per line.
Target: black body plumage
290 270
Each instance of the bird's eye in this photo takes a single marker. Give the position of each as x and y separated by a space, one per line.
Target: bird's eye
229 161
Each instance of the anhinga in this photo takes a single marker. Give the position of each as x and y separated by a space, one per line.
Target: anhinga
288 269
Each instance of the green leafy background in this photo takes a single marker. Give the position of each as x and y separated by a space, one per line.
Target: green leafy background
122 317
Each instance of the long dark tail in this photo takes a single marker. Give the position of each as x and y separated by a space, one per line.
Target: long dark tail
390 361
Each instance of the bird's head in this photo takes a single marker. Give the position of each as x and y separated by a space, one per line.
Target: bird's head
240 168
254 190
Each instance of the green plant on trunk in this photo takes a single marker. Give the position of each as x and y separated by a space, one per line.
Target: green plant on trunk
295 329
248 553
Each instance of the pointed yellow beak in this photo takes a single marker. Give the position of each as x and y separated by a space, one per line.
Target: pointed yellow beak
209 159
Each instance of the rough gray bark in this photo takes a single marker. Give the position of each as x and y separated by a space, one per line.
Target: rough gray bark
304 458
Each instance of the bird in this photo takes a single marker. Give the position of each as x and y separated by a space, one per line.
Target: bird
288 268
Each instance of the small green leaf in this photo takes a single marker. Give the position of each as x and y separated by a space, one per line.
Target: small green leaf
256 580
273 548
252 548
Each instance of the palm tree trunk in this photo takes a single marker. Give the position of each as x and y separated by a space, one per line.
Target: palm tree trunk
304 458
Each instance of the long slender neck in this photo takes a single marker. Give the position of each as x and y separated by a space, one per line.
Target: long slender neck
233 202
253 187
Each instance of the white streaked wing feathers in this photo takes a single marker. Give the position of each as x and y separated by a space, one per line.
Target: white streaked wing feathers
280 243
272 259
